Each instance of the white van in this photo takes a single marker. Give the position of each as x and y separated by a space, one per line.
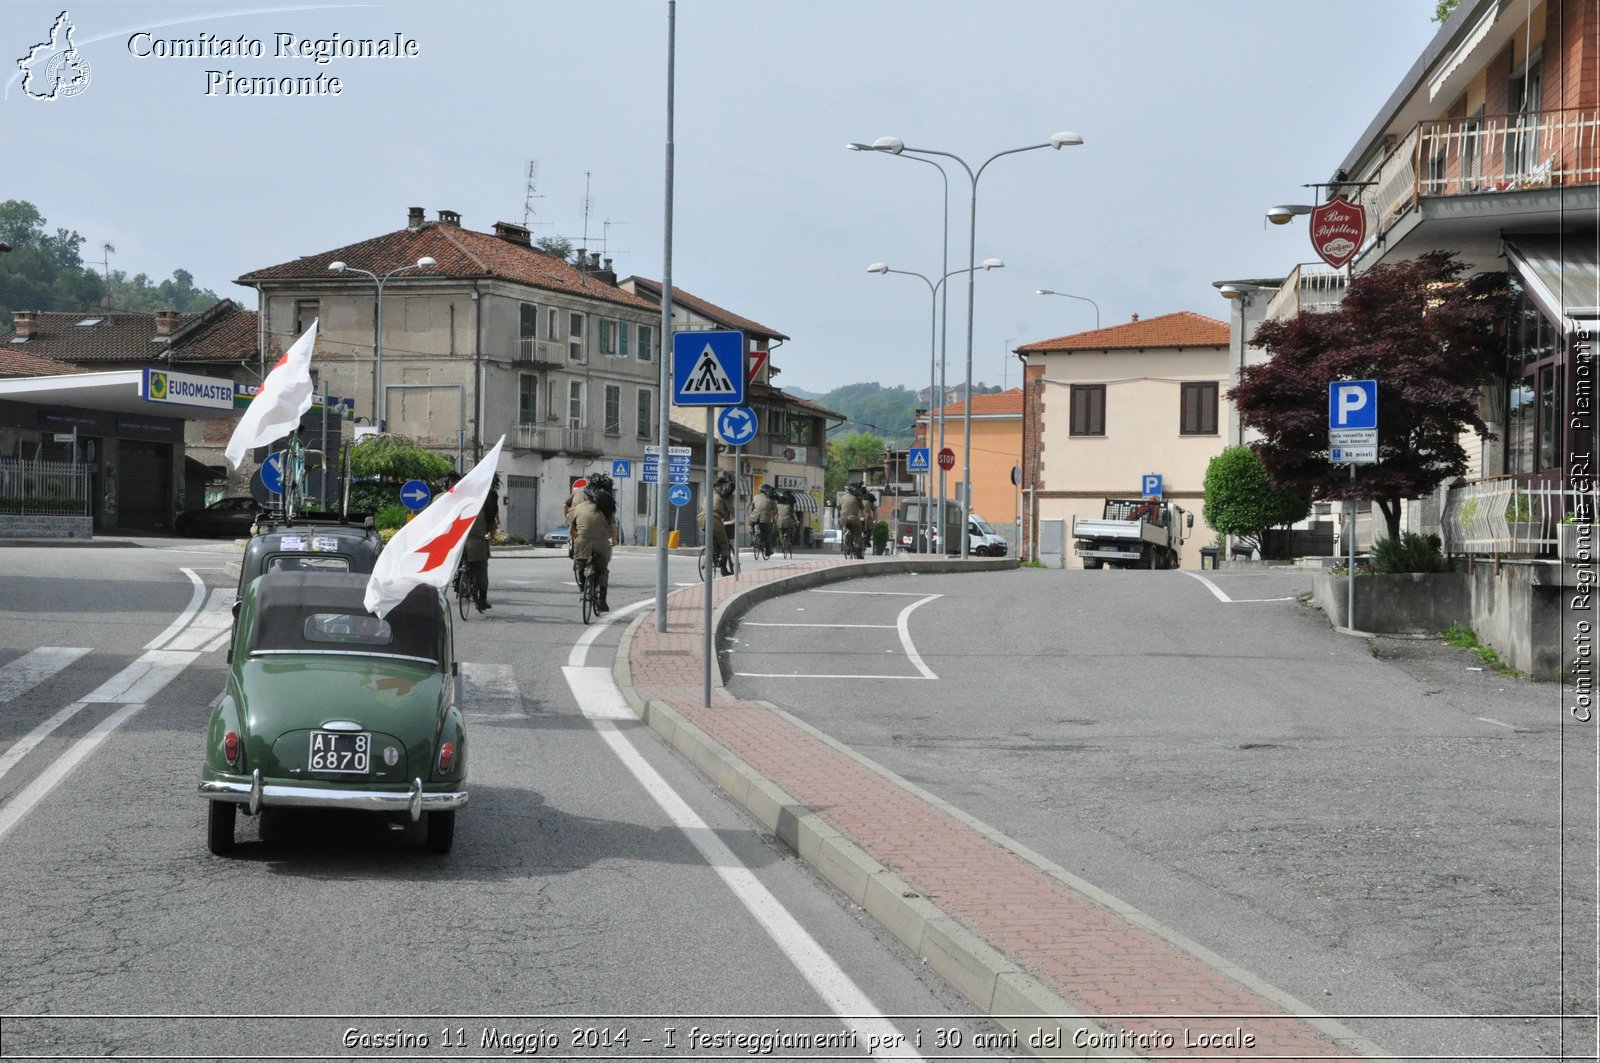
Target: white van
982 539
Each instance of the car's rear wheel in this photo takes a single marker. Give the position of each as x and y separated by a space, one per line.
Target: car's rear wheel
219 827
441 831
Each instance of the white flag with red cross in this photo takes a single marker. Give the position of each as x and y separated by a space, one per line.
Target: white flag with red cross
426 550
284 397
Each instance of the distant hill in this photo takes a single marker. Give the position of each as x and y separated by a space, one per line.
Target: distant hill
880 411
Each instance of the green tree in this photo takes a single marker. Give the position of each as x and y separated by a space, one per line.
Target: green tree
43 271
381 464
1443 9
851 452
1241 501
558 246
1429 338
176 293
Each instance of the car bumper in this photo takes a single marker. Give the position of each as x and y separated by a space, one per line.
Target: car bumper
258 794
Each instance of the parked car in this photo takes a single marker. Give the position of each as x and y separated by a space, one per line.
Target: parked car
329 706
833 537
230 517
557 536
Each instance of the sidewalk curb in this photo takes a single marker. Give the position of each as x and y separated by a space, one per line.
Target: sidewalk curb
970 965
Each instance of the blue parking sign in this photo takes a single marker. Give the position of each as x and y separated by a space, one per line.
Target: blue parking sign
1352 404
1150 485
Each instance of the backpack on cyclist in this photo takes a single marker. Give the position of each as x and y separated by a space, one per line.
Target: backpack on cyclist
598 491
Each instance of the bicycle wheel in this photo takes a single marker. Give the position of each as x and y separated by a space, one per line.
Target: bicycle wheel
700 564
466 592
585 599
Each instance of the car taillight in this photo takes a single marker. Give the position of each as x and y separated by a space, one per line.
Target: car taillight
230 748
447 756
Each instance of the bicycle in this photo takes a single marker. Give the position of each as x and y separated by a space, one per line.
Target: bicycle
465 586
722 560
583 572
761 542
786 542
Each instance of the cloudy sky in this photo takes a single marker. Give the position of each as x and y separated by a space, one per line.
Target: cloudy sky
1195 117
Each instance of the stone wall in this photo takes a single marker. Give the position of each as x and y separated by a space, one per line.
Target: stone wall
18 527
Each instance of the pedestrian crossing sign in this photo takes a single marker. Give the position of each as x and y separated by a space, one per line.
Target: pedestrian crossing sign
708 368
919 460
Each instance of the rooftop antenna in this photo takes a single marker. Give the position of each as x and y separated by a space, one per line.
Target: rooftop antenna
106 251
532 192
605 238
588 204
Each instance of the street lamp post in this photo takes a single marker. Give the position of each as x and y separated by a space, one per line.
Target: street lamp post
944 320
380 413
933 336
1080 298
894 146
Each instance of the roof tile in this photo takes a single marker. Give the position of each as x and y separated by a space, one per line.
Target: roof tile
1182 329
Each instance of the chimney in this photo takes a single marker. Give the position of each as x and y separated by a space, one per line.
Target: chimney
580 258
450 217
166 321
23 322
606 273
1135 317
514 234
594 261
414 218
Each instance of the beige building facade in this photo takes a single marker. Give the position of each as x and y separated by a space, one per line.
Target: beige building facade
1105 409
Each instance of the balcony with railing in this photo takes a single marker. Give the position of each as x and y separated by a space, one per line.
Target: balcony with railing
1484 155
1309 289
544 354
1514 516
554 439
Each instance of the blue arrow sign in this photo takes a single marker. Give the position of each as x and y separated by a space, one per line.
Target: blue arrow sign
920 460
272 472
736 425
415 495
708 368
649 475
679 494
621 468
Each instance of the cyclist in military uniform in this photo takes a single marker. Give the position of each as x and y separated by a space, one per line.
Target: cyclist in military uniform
476 554
592 526
762 511
722 520
852 502
787 526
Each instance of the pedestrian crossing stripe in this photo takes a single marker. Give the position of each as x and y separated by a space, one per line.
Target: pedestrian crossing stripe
708 377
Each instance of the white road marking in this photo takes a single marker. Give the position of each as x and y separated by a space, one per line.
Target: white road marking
142 679
1221 597
34 667
188 611
216 617
880 594
1507 726
35 791
22 746
601 701
905 636
807 675
753 623
580 649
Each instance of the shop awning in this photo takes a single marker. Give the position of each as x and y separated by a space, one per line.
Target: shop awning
804 501
1561 275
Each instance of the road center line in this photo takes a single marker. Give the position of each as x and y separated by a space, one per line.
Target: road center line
597 695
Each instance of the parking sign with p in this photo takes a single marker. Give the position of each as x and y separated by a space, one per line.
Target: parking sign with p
1352 404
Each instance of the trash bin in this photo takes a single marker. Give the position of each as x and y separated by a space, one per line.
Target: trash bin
1209 555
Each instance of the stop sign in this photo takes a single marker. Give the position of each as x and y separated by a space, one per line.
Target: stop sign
947 458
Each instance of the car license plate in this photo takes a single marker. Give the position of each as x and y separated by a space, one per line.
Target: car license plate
341 751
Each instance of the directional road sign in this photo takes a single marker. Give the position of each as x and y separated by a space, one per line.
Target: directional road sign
272 471
621 469
918 459
708 368
415 495
1150 485
649 475
679 494
736 425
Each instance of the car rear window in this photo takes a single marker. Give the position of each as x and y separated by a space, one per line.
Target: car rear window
304 628
308 563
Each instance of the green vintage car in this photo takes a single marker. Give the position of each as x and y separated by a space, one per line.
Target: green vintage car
329 706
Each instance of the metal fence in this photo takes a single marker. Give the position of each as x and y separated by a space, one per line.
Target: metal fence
1513 515
44 488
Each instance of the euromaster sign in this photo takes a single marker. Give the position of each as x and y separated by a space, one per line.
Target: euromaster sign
182 389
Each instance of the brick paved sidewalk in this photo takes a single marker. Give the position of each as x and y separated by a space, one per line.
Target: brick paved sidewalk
1046 943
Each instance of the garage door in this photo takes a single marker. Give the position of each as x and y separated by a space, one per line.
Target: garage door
144 485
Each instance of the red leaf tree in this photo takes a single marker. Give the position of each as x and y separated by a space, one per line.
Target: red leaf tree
1429 338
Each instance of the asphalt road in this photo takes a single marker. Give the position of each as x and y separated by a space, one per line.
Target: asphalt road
572 905
1375 828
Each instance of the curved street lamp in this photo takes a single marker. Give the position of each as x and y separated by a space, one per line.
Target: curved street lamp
1064 295
380 411
896 146
1284 213
933 290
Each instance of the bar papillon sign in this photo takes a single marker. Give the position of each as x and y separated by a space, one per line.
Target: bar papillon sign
1337 229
